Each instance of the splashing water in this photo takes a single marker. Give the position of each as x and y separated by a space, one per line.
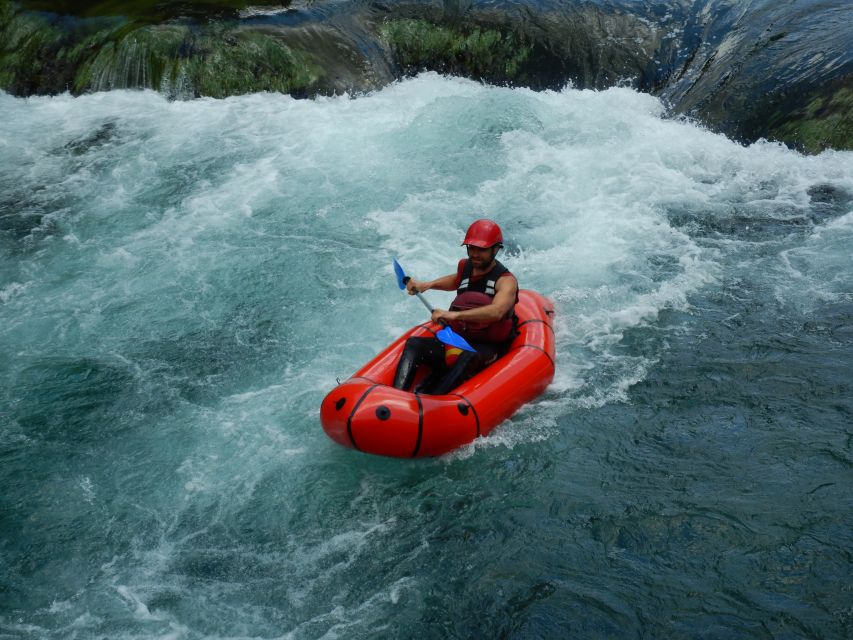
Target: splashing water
182 282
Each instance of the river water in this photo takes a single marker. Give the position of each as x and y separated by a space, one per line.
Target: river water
182 282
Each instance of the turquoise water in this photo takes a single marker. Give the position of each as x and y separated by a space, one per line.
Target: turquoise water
182 282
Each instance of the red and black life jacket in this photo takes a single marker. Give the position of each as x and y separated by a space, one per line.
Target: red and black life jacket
478 292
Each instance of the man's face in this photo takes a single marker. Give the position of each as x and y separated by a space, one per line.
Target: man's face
481 257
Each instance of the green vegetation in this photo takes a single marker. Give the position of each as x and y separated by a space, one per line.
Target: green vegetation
145 10
30 45
826 122
40 54
246 62
178 61
142 57
482 53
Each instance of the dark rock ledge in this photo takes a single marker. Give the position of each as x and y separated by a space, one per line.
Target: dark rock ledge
763 69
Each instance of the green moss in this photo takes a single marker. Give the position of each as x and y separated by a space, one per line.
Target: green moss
244 62
40 53
484 53
146 11
826 122
37 56
26 51
127 58
216 63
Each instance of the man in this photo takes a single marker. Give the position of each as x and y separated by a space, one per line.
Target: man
482 313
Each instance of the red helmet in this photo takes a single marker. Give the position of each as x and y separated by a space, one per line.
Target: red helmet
484 234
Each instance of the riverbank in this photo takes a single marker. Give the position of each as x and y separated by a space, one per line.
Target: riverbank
762 71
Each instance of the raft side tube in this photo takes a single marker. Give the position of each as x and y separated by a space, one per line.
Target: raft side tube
338 406
496 397
449 422
387 422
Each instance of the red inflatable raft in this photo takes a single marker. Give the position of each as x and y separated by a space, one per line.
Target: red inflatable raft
368 414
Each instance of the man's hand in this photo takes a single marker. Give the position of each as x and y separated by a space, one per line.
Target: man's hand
443 317
413 286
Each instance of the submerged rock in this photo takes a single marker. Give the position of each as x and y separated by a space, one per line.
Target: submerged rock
750 70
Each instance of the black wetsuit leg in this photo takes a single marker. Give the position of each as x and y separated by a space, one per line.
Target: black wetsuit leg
418 351
467 364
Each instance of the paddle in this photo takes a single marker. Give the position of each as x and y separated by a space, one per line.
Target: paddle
446 335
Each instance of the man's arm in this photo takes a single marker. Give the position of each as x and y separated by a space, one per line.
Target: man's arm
506 289
444 283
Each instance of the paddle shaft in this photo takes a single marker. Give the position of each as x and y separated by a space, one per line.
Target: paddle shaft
446 335
420 297
424 300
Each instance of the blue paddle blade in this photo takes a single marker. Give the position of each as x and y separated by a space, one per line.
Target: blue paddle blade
401 275
449 336
446 335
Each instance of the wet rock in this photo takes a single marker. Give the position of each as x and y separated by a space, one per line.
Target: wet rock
766 69
544 48
754 70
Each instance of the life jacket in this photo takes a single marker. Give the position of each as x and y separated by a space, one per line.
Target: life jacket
479 292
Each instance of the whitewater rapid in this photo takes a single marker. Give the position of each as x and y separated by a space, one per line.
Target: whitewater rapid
181 283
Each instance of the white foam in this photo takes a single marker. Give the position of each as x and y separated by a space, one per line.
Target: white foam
199 221
140 609
819 270
11 290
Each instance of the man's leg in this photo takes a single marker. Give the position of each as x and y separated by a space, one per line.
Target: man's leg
416 352
467 364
